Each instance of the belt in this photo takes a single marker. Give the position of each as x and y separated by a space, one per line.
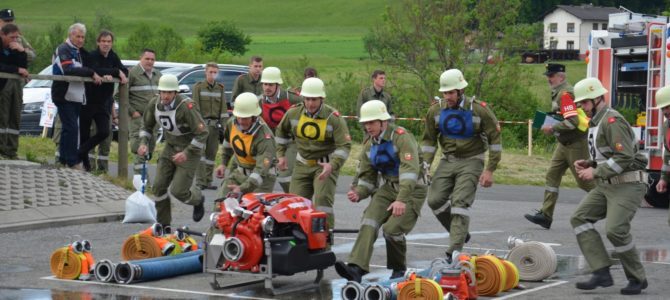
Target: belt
628 177
451 157
211 122
312 162
394 185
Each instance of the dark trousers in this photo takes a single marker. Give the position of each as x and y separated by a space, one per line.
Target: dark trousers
100 114
68 112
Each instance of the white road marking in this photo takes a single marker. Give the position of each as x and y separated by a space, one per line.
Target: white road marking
135 286
346 248
534 289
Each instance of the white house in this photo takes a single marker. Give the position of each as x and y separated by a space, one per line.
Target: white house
567 27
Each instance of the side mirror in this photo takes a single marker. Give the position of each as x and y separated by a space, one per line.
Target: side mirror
184 89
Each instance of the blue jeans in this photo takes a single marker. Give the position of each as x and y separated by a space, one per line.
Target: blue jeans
68 112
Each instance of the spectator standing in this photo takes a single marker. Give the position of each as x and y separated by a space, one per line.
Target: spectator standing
12 60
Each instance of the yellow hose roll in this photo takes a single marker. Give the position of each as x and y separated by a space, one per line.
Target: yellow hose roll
65 264
512 275
490 274
140 246
421 288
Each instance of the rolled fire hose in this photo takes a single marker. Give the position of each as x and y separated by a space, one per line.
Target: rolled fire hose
421 288
65 263
159 268
536 261
512 275
490 273
352 290
140 246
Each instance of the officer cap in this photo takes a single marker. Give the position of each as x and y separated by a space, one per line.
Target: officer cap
7 14
554 68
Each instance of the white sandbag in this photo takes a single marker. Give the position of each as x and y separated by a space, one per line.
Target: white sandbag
139 207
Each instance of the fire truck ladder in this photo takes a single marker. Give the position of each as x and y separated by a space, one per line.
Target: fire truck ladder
655 80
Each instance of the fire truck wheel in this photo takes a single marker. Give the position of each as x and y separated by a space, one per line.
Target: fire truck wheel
653 197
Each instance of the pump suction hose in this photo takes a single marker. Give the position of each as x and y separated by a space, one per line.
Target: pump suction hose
379 292
159 268
104 270
352 291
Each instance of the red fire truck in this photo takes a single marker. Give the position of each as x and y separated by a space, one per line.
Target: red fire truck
630 59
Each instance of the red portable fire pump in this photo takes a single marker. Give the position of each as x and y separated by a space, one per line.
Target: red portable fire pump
630 59
265 235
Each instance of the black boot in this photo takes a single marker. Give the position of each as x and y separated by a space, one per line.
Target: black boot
349 271
600 277
634 287
540 219
398 274
199 210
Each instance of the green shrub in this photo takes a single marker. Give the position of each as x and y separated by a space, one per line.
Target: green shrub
224 35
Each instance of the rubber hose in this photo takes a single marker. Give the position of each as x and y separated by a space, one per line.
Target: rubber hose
352 290
536 261
140 246
65 264
104 270
178 265
490 274
421 288
512 275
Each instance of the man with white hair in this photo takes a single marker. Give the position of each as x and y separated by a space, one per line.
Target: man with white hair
69 96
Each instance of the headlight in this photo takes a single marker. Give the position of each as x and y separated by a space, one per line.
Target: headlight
33 107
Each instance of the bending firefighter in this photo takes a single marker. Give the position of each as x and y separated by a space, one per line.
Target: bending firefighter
465 129
663 104
617 167
392 153
251 144
185 136
323 141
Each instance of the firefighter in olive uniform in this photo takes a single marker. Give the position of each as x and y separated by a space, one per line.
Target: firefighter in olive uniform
323 142
464 128
275 102
663 104
142 82
375 91
250 82
185 136
251 143
572 146
392 153
617 167
209 96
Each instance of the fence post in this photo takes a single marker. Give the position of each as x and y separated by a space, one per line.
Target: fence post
530 137
124 120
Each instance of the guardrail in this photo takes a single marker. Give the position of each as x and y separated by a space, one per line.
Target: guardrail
123 107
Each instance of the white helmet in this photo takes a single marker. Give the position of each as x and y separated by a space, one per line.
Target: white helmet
452 79
168 83
589 88
246 105
271 75
374 110
313 87
663 97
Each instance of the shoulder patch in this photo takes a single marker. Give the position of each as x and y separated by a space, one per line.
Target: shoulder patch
348 138
408 156
618 147
611 120
268 136
400 130
189 105
336 113
482 103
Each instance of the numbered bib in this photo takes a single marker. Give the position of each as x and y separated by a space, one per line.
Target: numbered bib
456 124
384 159
311 129
241 144
168 120
274 112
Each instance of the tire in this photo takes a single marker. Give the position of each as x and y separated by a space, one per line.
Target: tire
658 200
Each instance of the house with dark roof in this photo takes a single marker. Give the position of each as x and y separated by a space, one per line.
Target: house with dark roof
567 27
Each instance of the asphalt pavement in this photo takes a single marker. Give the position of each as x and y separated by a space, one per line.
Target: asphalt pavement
496 214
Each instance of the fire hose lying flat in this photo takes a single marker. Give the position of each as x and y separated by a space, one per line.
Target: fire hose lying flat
159 268
536 261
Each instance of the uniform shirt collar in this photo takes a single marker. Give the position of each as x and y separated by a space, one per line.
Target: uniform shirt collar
314 115
276 97
171 105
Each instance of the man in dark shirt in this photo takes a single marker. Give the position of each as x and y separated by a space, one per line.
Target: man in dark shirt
98 107
12 60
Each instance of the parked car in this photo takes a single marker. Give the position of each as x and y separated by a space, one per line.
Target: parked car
37 90
188 77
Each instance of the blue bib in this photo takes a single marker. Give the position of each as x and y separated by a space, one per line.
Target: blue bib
456 124
384 159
